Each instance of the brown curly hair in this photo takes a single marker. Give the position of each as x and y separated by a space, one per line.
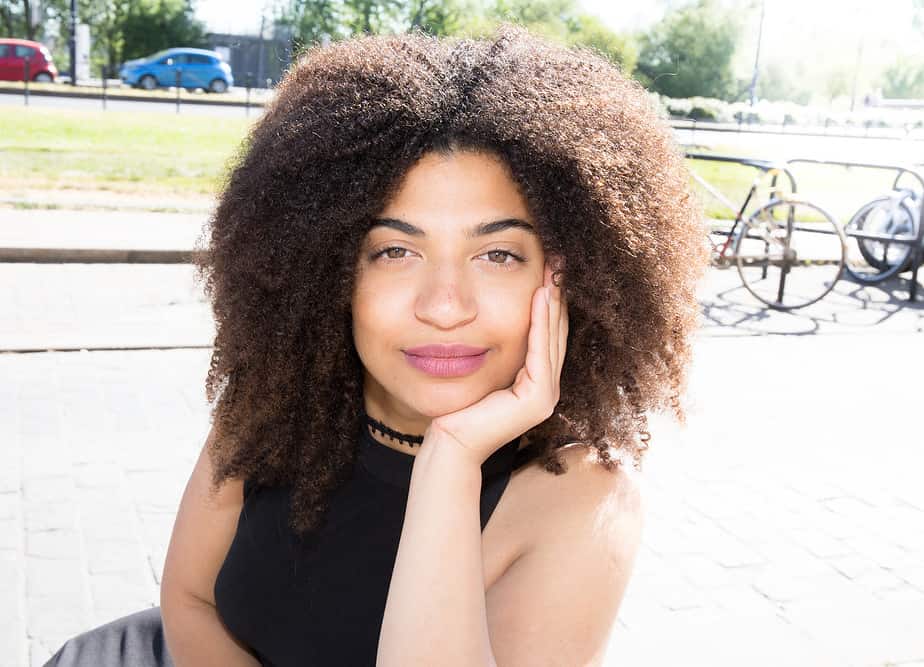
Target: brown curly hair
604 182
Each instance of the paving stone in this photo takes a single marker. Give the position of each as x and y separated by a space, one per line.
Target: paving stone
122 592
9 506
779 584
873 633
104 475
53 544
63 613
13 640
50 516
10 534
50 578
886 555
105 556
852 566
48 489
819 544
879 579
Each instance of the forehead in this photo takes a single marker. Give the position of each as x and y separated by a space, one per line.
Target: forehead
456 189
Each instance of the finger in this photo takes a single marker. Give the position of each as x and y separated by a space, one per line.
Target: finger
554 333
537 352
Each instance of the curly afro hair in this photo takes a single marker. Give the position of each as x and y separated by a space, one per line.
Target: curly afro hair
604 182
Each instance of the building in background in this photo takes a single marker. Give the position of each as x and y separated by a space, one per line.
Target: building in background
256 61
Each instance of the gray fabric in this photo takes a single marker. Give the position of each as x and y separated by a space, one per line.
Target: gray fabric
136 640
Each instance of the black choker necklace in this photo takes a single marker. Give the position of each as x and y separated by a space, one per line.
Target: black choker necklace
378 426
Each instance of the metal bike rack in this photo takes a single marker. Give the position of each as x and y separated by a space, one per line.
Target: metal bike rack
901 170
762 165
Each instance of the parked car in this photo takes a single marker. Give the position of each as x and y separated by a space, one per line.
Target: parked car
13 55
198 68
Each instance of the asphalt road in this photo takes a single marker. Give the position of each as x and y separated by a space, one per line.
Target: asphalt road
44 101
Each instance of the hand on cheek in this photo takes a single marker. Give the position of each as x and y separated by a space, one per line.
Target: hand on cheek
480 429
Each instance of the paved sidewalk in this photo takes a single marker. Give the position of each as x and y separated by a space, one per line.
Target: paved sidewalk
784 522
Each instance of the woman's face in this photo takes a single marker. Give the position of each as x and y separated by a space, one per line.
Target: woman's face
453 259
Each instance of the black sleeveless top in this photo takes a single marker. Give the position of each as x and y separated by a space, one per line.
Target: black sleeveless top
320 601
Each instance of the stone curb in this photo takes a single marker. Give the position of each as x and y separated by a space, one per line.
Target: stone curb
94 256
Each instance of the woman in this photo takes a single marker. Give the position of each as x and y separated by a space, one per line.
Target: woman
449 277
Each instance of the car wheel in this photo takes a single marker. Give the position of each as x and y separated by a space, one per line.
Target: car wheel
148 82
218 86
43 77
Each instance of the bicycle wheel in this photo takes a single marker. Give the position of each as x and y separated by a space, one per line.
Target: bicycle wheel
870 261
790 253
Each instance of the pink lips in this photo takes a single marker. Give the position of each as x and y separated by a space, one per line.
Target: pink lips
446 360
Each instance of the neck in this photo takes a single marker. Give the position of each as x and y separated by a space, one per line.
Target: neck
394 423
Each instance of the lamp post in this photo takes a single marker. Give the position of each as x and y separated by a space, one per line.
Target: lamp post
760 32
72 42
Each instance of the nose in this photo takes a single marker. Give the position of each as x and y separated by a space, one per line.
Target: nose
446 299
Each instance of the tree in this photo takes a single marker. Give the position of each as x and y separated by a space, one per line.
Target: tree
904 79
123 29
777 83
21 18
587 30
312 22
371 16
152 25
562 21
689 53
434 17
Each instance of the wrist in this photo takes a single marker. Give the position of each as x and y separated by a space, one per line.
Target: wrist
441 451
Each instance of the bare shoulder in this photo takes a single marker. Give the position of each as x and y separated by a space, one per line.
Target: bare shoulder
585 497
582 531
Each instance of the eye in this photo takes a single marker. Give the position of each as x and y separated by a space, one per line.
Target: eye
503 255
388 254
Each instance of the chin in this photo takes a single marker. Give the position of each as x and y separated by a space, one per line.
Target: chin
434 403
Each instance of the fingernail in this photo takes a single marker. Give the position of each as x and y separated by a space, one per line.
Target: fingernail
548 294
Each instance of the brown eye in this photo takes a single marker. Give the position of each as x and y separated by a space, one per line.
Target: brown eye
389 251
503 255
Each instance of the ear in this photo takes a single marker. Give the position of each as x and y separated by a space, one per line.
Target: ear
556 263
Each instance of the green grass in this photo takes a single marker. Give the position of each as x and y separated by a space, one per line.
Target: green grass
839 190
120 151
184 154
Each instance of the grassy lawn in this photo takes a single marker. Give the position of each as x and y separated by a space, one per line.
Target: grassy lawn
839 190
119 151
185 154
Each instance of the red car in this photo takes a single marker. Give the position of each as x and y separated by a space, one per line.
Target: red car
13 55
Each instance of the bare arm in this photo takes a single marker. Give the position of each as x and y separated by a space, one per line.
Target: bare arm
202 535
555 605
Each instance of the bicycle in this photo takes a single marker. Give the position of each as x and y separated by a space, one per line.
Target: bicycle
782 234
884 229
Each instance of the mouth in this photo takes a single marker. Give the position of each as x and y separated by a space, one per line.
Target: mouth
446 366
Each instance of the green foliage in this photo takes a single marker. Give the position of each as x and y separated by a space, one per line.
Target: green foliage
436 17
904 79
370 16
588 30
15 20
321 21
124 29
776 83
152 25
689 53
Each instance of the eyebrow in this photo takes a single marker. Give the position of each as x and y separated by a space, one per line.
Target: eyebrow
482 229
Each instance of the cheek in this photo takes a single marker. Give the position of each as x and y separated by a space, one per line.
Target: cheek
376 317
509 315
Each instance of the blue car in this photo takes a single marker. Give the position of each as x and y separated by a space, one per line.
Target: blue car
197 68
